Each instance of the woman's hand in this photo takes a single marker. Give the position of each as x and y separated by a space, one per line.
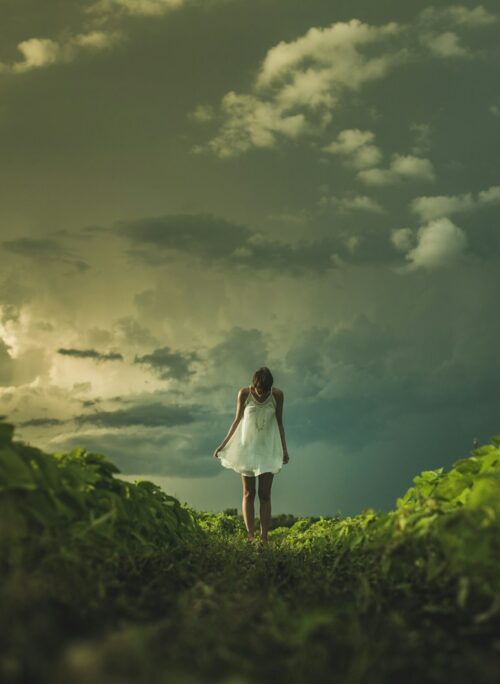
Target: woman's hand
286 458
216 452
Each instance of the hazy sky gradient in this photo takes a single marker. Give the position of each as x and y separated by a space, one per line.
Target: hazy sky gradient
192 189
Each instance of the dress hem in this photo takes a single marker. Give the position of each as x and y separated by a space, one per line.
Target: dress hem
250 472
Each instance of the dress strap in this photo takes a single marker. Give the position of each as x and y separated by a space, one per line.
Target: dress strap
260 403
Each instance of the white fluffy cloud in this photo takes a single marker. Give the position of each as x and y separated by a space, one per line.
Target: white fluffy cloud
356 148
299 84
42 52
401 167
431 207
440 243
445 44
251 122
428 208
335 50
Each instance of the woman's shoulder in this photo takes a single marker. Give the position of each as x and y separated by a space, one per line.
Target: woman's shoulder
276 391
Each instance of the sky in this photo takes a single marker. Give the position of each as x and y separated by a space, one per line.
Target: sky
192 189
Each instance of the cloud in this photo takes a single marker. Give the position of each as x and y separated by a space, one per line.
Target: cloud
422 135
459 15
169 364
133 332
148 451
334 48
428 208
240 352
44 250
446 44
202 234
136 7
91 354
218 242
6 364
356 203
402 239
489 196
401 167
299 83
23 368
42 422
14 294
440 243
43 52
153 414
431 207
202 113
356 148
230 363
435 24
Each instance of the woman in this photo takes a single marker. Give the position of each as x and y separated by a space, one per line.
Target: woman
255 446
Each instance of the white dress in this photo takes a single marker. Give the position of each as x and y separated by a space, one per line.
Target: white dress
255 446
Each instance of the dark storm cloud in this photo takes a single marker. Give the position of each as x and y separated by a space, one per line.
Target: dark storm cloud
90 354
216 241
203 234
148 415
44 249
369 374
147 453
42 422
240 353
169 364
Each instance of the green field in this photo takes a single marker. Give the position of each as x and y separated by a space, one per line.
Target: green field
105 580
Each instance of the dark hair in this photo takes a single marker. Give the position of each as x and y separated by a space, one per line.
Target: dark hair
263 378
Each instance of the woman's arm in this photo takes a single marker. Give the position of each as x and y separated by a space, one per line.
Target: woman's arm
240 407
279 418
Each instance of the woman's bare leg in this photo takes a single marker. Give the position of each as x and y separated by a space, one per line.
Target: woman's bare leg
248 507
265 483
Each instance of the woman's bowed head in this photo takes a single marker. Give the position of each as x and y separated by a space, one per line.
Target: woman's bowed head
256 446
